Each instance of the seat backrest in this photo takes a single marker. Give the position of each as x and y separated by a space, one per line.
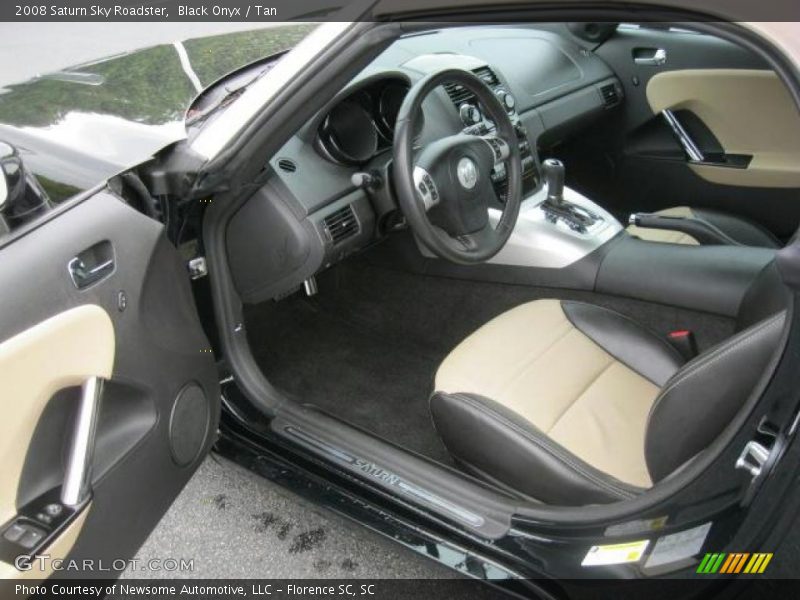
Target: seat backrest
702 397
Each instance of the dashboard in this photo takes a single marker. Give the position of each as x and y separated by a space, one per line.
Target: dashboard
318 206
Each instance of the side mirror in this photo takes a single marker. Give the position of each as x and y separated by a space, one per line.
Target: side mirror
22 199
3 190
6 154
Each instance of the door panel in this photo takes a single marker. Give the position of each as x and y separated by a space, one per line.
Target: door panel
633 161
36 364
749 112
135 326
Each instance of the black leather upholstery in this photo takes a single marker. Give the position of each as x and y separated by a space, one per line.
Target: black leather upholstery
766 296
700 400
627 341
497 444
740 230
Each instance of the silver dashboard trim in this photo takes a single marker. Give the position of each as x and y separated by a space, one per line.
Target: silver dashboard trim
538 242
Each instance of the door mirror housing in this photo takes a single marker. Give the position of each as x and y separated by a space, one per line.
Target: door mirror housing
22 199
3 189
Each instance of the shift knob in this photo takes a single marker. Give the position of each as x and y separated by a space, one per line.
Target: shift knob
554 176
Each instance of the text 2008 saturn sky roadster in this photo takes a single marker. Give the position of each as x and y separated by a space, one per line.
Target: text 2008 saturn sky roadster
518 287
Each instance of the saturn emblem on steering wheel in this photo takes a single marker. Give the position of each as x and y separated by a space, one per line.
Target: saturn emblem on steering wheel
467 173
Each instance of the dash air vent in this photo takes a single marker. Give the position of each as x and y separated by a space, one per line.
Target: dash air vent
610 95
459 94
287 165
341 224
488 76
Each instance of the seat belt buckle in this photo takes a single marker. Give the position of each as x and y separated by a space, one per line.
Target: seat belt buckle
684 342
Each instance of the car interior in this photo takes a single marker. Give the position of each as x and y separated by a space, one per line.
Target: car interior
537 259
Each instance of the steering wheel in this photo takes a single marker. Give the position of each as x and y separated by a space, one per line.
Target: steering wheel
444 188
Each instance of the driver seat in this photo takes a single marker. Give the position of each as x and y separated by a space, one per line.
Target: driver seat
570 403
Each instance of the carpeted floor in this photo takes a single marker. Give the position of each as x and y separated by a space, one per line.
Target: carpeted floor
366 349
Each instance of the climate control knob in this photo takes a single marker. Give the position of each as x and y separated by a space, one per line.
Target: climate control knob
470 114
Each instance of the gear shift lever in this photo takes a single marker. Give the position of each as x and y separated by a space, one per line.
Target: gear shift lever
554 176
558 209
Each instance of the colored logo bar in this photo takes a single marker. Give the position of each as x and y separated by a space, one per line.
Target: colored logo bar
734 562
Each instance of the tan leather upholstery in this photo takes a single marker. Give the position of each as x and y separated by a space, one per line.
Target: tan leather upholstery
749 111
665 235
536 363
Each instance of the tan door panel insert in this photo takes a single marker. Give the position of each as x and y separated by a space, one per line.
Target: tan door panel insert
749 111
62 351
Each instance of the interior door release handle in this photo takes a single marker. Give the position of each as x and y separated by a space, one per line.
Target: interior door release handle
77 476
654 57
691 149
92 265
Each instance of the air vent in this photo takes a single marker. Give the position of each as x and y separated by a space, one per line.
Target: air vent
341 224
610 95
459 95
287 165
488 76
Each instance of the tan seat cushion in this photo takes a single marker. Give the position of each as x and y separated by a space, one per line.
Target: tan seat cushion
665 235
533 361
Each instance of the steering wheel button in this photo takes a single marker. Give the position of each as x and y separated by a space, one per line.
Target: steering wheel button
422 189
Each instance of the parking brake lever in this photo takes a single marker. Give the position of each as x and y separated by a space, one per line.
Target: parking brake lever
703 231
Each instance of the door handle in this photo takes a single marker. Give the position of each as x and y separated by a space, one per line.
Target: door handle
653 57
689 146
77 475
91 265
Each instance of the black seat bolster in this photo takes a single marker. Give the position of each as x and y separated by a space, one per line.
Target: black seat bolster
639 349
488 438
697 403
767 295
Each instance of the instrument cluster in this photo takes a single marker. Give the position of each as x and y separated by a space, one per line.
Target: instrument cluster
361 125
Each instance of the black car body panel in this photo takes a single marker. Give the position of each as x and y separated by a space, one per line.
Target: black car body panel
79 126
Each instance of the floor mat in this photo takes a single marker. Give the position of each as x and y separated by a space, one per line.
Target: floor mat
366 349
373 381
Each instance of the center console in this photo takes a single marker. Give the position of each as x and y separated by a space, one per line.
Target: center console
557 226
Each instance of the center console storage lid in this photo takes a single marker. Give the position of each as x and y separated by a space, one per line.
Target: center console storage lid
708 278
